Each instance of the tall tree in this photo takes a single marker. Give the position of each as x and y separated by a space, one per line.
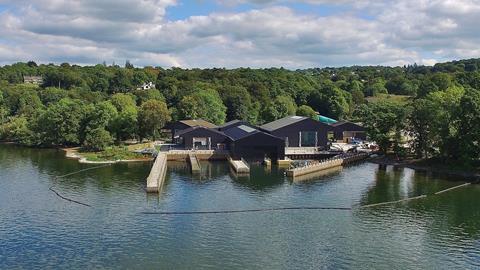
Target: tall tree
152 117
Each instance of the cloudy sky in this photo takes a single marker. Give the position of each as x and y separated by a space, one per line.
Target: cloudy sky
239 33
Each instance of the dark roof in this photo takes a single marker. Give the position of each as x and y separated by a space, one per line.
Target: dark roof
190 129
240 132
198 123
280 123
230 124
339 123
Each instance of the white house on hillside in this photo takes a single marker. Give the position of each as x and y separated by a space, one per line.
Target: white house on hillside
146 86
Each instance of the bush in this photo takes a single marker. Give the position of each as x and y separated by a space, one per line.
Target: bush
97 139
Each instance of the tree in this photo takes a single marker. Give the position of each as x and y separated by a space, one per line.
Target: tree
152 117
421 124
330 101
121 101
358 96
375 89
469 126
384 122
125 123
102 115
97 139
205 104
15 129
284 106
144 95
61 123
307 111
238 103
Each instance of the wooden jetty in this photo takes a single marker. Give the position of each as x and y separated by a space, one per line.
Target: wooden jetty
327 164
239 166
158 174
194 163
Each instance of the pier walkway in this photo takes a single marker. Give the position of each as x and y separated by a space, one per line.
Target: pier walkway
239 166
194 163
157 175
327 164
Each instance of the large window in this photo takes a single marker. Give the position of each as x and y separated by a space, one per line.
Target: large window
309 138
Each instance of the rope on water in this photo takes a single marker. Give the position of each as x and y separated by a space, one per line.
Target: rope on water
452 188
72 173
393 202
247 210
250 210
67 199
301 207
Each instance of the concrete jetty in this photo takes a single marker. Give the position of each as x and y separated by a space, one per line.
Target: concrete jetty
157 175
194 164
239 166
327 164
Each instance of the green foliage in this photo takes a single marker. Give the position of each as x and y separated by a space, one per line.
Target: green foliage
152 117
204 104
112 153
144 95
330 101
284 106
105 98
97 139
61 123
384 122
16 130
307 111
239 103
469 126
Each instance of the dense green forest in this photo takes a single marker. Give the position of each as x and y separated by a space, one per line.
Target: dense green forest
436 108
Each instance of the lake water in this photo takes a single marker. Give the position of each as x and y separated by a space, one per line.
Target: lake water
40 230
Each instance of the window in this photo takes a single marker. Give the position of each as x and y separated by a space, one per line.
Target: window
308 138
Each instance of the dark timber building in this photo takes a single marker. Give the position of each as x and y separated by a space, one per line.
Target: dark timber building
251 143
346 131
185 124
201 138
299 131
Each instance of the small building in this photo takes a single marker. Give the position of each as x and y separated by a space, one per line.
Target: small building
299 131
33 79
251 143
146 86
202 138
184 124
345 131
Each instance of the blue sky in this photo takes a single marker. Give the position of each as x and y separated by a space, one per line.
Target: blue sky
239 33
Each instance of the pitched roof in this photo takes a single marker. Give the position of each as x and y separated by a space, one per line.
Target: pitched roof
341 123
280 123
240 132
198 123
190 129
229 124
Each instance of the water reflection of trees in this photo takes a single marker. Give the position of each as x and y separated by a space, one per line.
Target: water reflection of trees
261 178
453 213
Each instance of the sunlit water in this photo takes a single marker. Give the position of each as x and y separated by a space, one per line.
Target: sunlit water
40 230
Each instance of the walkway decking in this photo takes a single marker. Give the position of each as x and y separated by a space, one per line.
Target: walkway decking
194 164
240 166
157 175
327 164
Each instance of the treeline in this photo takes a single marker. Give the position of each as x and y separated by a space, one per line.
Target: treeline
76 105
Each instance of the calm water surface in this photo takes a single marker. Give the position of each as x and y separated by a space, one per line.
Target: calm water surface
39 230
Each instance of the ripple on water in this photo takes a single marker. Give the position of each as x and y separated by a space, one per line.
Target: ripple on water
39 230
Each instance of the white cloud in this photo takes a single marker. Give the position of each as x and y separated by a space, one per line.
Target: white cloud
90 31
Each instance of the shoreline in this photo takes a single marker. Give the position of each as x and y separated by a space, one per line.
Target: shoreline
470 176
72 153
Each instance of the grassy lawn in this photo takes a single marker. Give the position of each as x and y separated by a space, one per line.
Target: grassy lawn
112 154
397 98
